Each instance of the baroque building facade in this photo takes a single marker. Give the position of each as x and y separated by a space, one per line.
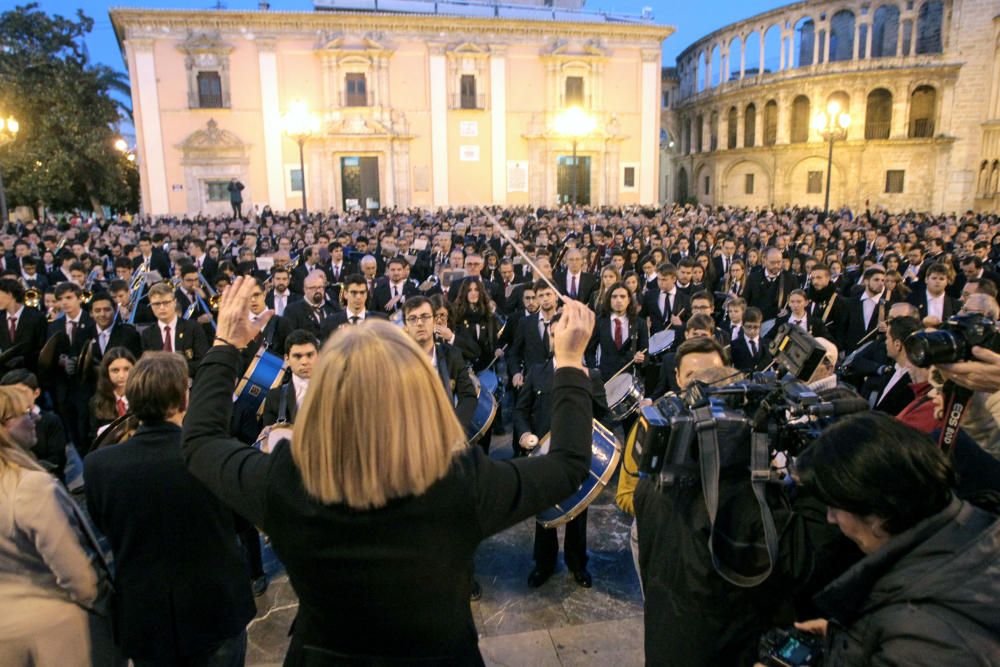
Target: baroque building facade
415 109
920 80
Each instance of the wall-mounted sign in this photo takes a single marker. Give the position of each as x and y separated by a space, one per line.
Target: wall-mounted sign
468 153
468 128
517 176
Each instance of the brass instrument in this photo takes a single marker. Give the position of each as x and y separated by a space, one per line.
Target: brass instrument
33 297
87 295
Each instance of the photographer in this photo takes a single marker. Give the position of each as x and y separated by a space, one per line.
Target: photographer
927 591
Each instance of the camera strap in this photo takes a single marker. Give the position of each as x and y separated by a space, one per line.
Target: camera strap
760 473
956 398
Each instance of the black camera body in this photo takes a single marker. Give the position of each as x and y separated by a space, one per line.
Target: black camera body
952 341
790 648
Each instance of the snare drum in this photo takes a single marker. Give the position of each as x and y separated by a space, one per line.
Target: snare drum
624 393
271 435
263 373
605 452
661 341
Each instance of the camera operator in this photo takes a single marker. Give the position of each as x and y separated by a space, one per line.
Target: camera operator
927 591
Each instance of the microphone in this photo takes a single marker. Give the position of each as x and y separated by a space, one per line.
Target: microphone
838 407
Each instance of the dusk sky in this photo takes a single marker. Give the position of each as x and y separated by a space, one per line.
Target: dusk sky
692 20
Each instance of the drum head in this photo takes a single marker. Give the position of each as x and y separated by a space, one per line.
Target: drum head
271 435
660 342
618 387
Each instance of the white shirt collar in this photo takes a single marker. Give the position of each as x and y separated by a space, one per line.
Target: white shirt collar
866 297
360 315
172 324
300 385
16 315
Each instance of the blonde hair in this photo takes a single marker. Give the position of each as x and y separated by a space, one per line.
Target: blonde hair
376 423
14 402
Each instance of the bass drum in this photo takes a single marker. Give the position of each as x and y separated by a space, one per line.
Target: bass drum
624 394
270 436
605 452
487 385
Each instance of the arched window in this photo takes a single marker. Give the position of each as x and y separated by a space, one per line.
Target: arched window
800 120
983 182
923 103
842 36
751 55
713 131
994 187
885 31
749 125
699 130
878 115
716 66
842 99
770 123
686 128
772 49
805 31
732 119
733 62
929 20
682 185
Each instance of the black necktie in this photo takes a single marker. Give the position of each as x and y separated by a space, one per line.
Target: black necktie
753 349
354 319
545 337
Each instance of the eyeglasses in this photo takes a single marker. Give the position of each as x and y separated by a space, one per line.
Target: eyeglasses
417 319
157 304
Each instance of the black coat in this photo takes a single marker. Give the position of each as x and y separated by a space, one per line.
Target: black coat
30 334
927 597
900 394
180 582
493 289
393 581
918 297
122 335
533 412
293 297
272 403
457 382
383 295
743 360
853 329
660 319
613 359
301 315
586 285
159 261
769 296
528 348
341 318
189 340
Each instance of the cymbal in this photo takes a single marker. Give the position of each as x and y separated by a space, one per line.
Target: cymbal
50 351
116 431
86 366
15 350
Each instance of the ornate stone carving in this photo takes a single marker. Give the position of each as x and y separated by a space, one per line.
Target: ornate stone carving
206 52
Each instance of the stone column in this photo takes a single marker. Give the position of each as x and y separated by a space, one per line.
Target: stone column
743 56
784 120
758 123
149 135
760 66
740 110
498 122
267 62
439 123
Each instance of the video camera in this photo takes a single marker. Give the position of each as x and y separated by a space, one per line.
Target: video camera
952 341
777 404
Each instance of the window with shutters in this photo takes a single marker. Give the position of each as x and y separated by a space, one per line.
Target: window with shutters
894 180
355 90
209 90
468 91
629 177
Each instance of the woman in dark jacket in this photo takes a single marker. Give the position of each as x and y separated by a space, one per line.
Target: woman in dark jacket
928 590
377 505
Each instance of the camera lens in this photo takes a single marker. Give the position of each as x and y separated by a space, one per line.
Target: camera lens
926 348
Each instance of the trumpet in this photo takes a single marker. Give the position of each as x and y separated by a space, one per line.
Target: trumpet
32 297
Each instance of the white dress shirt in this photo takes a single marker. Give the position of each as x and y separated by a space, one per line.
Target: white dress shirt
935 306
299 385
868 305
897 375
71 322
280 302
662 301
624 321
800 322
360 316
173 332
103 336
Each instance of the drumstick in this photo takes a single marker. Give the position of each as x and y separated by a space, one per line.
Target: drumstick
494 359
628 365
504 233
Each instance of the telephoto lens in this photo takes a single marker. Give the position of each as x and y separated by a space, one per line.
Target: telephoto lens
926 348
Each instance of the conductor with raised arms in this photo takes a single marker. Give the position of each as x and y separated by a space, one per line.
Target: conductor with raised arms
377 504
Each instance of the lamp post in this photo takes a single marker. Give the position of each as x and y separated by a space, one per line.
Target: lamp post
576 124
8 132
299 124
832 126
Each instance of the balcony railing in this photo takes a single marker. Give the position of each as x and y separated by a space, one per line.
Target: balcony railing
460 101
922 128
366 99
877 129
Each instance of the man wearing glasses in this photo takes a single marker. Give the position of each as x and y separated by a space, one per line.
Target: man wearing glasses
355 295
171 333
418 319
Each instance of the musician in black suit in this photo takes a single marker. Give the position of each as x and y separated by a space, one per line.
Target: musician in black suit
824 301
532 419
181 593
355 293
111 331
665 306
308 264
274 333
620 337
531 340
418 319
890 390
973 268
310 312
749 351
187 291
339 267
280 296
769 289
28 326
473 269
799 316
71 395
390 294
202 262
863 313
301 350
511 288
574 282
931 298
154 259
170 333
32 277
723 262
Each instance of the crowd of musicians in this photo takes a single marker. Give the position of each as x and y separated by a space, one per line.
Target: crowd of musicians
85 301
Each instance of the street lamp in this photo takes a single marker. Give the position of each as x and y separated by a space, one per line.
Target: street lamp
832 126
122 147
576 124
299 124
8 132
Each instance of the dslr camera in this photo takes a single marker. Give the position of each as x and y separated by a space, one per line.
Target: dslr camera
953 341
790 648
